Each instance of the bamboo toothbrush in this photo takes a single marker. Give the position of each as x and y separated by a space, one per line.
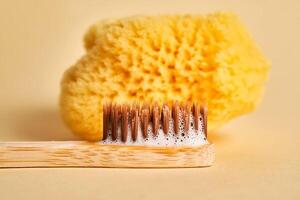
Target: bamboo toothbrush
133 136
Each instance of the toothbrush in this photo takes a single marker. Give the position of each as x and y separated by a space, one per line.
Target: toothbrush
134 136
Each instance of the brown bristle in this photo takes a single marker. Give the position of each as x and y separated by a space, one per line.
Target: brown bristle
186 116
124 123
126 116
134 121
145 116
196 115
115 121
203 111
165 118
175 114
155 118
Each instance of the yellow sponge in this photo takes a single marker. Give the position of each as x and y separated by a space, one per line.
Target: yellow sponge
210 58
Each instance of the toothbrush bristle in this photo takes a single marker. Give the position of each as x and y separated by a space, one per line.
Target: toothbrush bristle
130 117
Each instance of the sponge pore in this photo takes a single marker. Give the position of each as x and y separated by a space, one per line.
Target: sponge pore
198 58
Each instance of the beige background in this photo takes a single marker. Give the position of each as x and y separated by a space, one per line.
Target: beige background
258 156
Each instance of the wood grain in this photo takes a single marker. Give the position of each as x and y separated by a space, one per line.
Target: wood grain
85 154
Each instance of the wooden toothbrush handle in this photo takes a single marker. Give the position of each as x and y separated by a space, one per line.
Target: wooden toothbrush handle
85 154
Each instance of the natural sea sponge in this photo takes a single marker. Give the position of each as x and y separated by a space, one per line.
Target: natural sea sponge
200 58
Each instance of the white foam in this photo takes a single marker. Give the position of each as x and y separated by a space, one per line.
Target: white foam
192 138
